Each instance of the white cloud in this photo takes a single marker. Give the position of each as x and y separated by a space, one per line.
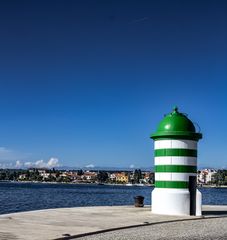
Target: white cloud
13 159
40 164
51 163
90 166
132 166
28 164
18 164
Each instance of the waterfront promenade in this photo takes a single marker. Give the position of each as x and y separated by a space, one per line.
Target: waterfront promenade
121 222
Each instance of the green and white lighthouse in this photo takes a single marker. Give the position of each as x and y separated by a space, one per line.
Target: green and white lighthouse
175 162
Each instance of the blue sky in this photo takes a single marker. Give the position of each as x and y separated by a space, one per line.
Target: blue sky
86 82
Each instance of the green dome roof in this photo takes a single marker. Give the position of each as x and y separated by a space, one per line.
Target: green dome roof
176 125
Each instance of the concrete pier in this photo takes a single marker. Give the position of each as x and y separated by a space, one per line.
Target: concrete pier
72 223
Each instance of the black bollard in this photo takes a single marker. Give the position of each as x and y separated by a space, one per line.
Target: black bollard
139 201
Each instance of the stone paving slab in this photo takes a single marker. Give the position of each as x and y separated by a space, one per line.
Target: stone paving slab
197 229
56 223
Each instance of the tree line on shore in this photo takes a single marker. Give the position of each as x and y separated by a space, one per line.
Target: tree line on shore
53 175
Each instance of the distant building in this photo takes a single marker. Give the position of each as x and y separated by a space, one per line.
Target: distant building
44 175
112 177
121 177
39 170
22 177
148 177
205 176
64 174
89 176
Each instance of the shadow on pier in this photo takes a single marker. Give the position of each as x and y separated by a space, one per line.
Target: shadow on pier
215 213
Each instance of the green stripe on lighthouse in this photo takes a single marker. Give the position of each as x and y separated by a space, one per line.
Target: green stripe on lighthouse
171 184
176 168
175 152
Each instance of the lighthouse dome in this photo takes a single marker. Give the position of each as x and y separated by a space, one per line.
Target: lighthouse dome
176 125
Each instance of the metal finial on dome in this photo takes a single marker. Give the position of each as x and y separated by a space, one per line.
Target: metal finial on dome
175 108
176 125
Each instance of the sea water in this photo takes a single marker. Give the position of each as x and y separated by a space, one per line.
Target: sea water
17 197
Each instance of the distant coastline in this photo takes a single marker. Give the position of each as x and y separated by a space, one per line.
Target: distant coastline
205 178
106 184
81 183
212 186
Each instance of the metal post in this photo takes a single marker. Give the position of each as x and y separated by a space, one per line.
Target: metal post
192 189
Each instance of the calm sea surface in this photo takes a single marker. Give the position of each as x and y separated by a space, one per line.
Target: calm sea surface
17 197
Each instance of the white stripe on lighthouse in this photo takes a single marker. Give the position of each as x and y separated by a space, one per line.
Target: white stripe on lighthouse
168 160
173 176
186 144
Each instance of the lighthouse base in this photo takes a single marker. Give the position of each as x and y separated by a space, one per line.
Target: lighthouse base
170 201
